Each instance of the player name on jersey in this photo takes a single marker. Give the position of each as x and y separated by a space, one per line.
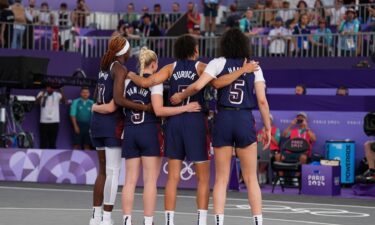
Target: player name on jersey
232 69
184 74
137 90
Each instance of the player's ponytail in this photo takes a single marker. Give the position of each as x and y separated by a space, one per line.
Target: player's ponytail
116 44
146 57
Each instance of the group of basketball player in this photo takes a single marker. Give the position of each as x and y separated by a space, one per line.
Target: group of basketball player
140 98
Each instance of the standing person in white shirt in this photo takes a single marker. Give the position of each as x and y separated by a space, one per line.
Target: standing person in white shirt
49 101
277 39
32 13
286 14
336 13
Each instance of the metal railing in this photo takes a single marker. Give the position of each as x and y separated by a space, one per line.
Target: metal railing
66 39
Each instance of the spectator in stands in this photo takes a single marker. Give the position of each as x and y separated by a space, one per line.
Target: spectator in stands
130 16
149 28
33 12
337 13
63 16
80 115
369 175
302 8
245 23
370 25
322 39
145 10
80 14
193 17
19 24
49 101
349 28
285 13
317 13
269 13
233 20
342 91
176 13
45 16
6 24
159 17
301 89
197 31
299 128
211 8
302 42
277 39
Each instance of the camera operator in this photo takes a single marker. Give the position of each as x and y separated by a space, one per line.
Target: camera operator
299 128
369 175
49 101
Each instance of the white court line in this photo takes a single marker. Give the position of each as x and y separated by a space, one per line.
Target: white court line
162 212
182 196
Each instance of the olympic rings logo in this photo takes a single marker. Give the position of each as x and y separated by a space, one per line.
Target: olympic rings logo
187 172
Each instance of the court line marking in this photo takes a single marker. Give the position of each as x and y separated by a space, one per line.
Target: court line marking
181 196
162 212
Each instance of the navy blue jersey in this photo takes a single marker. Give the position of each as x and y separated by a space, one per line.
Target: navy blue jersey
184 74
142 96
240 94
104 125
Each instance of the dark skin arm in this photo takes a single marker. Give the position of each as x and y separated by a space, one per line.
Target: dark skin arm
119 75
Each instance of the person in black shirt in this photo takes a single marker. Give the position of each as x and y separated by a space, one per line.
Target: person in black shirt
149 28
6 24
234 18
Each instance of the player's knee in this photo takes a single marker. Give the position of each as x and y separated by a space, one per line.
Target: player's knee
174 177
112 171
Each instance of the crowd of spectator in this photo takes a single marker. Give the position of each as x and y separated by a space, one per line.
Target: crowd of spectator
303 28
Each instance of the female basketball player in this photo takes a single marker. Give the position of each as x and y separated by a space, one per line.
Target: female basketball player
106 130
141 138
185 134
234 124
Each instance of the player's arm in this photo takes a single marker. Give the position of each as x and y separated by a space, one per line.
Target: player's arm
154 79
104 108
162 111
227 79
260 90
194 88
119 74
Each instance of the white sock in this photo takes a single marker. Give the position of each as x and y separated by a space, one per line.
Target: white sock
107 216
258 220
127 219
97 212
219 219
202 217
149 220
169 217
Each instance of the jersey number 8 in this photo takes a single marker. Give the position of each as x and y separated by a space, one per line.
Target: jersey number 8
137 116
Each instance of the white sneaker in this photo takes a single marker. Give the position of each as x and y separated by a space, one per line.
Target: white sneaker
95 221
107 222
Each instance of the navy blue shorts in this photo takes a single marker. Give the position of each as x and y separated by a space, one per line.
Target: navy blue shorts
234 128
210 10
142 140
185 137
101 142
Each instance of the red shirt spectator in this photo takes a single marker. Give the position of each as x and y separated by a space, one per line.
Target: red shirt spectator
193 17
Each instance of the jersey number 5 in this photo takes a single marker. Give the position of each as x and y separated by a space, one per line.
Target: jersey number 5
236 92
